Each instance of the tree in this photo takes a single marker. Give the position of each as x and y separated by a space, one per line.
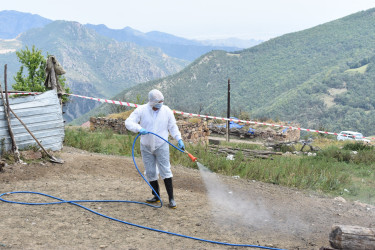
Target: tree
35 64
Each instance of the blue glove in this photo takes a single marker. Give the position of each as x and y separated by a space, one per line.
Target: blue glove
143 131
181 145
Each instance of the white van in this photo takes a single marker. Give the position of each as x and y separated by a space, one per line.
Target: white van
350 135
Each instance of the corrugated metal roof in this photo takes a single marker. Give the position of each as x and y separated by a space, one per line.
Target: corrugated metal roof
43 117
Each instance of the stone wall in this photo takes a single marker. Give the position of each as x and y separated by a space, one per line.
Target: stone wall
193 130
103 123
259 132
196 130
270 134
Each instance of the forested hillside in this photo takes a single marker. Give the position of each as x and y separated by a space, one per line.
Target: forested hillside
99 61
95 65
321 77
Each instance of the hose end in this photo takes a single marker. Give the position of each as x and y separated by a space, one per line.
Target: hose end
194 159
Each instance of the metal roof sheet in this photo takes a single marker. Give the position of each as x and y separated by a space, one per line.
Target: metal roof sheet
42 115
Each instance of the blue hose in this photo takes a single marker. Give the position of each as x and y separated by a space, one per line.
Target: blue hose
76 203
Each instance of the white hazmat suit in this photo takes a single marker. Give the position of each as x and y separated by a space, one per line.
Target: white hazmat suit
155 151
159 119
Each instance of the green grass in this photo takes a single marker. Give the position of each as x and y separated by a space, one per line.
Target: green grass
336 170
252 146
361 70
105 142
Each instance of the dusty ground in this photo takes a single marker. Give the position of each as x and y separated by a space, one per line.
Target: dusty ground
226 209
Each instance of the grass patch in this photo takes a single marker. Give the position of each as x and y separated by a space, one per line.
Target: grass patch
336 170
360 70
253 146
105 142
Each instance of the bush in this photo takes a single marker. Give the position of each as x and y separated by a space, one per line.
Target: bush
357 146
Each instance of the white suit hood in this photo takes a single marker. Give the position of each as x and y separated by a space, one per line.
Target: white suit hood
154 97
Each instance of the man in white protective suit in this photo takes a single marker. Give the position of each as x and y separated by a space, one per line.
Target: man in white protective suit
159 119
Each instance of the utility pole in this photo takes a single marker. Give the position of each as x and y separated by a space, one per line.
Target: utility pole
228 109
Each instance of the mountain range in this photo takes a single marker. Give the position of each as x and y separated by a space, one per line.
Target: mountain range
95 65
13 23
321 78
171 45
98 63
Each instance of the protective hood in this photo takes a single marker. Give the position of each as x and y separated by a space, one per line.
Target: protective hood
154 97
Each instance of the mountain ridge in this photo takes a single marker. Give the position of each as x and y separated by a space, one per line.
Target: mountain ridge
12 23
284 78
172 45
95 65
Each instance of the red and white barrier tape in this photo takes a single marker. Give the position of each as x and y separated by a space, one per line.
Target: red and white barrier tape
24 93
107 101
213 117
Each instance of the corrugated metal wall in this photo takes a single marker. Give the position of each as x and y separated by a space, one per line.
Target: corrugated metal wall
43 117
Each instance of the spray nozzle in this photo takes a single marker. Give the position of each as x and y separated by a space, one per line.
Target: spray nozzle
194 159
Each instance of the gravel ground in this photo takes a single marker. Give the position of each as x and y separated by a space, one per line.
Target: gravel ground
210 206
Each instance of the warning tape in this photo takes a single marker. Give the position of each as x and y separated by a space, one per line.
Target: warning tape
107 101
201 116
218 118
24 93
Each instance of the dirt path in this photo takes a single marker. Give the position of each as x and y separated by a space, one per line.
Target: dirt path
234 210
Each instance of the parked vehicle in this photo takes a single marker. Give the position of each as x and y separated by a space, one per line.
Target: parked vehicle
350 135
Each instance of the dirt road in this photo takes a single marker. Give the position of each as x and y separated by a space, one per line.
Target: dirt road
211 207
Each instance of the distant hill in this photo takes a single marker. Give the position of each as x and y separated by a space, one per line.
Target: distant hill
172 45
99 61
95 65
322 78
13 23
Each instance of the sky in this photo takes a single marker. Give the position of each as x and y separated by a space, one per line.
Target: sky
197 19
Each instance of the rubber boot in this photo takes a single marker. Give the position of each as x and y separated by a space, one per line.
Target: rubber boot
154 185
169 187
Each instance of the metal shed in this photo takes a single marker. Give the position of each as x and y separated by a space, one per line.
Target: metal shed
42 115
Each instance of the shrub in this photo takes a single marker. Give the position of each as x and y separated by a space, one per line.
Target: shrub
357 146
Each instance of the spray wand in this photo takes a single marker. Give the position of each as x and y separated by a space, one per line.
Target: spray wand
194 159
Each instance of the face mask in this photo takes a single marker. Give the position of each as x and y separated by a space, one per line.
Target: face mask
158 105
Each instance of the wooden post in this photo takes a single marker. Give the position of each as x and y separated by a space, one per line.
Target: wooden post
53 77
228 110
352 237
7 116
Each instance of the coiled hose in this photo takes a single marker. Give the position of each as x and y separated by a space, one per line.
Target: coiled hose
76 203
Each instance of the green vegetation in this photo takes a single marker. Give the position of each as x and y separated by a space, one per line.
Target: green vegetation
361 69
104 142
35 63
336 170
287 78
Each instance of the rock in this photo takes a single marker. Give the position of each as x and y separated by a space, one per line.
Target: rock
230 157
340 199
2 165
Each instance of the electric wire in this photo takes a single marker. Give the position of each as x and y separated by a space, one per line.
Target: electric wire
76 203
